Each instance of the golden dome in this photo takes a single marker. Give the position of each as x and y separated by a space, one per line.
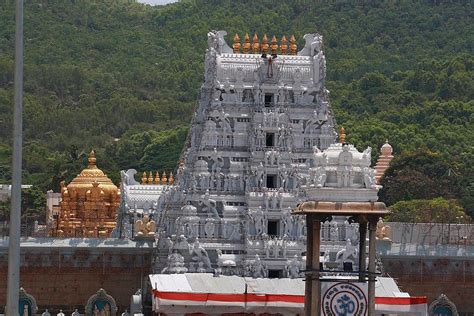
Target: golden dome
84 181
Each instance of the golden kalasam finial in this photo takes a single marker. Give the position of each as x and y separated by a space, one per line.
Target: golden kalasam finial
274 45
150 178
144 178
283 45
236 45
265 44
157 178
256 44
163 178
247 44
92 160
171 179
342 135
293 47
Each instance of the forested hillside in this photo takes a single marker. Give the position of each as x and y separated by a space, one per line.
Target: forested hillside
122 78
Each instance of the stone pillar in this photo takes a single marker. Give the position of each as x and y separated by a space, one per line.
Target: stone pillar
362 247
316 284
372 233
312 285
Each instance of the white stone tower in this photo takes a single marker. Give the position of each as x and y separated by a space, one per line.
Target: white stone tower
263 110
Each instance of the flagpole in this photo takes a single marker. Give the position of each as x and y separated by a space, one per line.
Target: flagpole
13 286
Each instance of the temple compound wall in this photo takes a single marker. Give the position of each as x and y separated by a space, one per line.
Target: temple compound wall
432 259
432 276
64 274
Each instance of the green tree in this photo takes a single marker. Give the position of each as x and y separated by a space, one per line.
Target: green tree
436 210
422 174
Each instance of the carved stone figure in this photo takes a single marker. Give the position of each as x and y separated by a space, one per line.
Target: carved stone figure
218 161
313 44
175 264
301 227
199 254
145 228
209 206
293 267
318 176
383 231
230 230
334 231
274 201
260 175
210 227
369 178
283 174
128 177
349 253
259 220
275 248
344 171
259 269
287 221
226 263
367 156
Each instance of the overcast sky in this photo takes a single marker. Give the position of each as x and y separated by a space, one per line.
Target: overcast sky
154 2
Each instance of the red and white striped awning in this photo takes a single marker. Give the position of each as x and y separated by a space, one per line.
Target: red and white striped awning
204 293
401 305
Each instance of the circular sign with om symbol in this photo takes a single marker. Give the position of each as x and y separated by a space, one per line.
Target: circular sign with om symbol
344 299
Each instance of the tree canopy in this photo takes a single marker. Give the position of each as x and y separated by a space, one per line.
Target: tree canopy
122 78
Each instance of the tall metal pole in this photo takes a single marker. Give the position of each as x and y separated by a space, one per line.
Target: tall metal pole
309 264
372 250
13 286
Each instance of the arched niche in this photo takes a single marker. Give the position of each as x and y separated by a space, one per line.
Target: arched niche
442 306
101 302
26 304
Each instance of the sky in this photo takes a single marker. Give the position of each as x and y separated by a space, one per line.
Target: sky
155 2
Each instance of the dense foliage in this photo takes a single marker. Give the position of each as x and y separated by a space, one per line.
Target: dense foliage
122 78
437 210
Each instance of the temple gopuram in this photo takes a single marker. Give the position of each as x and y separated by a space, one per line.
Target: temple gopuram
88 204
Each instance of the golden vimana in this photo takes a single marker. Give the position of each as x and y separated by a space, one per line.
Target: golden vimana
265 47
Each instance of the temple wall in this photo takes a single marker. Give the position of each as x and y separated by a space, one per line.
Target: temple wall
432 233
64 279
425 276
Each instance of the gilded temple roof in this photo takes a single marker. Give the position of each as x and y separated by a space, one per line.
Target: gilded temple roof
90 175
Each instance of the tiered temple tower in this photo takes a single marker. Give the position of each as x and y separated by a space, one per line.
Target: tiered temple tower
263 110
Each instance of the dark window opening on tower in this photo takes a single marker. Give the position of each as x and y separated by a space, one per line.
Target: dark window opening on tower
270 140
272 228
271 181
275 274
268 99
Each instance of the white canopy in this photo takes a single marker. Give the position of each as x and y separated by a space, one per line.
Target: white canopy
205 293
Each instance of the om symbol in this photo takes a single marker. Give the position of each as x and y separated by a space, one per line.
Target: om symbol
345 306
